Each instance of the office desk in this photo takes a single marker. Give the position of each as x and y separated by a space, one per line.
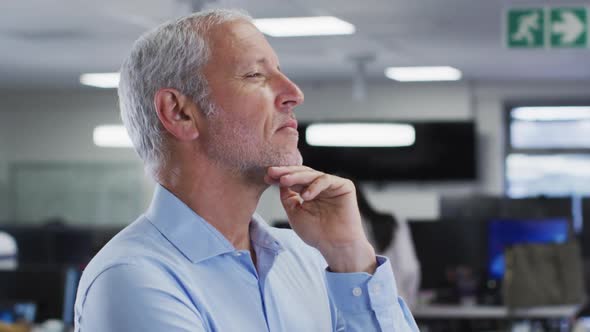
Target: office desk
441 311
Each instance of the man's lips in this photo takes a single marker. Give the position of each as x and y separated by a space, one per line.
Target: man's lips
289 124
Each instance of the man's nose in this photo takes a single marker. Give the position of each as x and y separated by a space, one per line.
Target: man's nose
289 95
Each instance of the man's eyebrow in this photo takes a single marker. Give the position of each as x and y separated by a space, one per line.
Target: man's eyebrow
259 61
263 61
248 62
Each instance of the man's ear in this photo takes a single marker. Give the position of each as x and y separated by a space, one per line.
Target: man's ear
177 113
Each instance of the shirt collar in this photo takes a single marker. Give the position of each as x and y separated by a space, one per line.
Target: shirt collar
260 234
192 235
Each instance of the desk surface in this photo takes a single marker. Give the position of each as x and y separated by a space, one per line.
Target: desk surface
491 312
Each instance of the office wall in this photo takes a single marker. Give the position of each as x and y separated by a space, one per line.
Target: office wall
4 203
56 126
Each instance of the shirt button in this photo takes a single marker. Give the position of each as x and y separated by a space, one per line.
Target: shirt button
237 253
357 291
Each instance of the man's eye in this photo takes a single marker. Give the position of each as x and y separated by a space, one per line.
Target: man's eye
254 75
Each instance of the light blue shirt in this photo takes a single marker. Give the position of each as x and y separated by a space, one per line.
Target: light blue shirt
171 271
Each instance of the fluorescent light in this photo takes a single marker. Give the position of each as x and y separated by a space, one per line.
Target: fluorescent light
360 134
304 26
423 74
111 136
100 80
551 113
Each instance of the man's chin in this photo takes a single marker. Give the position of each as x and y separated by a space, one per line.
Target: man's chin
294 159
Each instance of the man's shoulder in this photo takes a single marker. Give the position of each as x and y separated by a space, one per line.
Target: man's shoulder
137 244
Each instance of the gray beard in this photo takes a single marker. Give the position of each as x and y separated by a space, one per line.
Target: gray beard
241 153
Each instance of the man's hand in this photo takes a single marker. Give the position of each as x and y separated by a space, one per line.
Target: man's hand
323 211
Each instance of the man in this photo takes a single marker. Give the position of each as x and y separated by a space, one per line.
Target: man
211 115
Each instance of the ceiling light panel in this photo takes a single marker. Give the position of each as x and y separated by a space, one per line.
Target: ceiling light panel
111 136
423 74
304 26
360 134
100 80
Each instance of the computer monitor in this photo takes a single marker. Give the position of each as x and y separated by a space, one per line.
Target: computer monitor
506 232
17 311
445 244
43 286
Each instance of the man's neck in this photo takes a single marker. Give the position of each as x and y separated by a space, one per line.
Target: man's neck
224 199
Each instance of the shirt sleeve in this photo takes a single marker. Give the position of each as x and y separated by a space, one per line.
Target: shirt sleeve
362 302
405 264
136 298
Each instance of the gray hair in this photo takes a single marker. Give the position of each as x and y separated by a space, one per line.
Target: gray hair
170 56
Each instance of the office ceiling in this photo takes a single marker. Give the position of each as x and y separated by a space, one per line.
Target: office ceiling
48 43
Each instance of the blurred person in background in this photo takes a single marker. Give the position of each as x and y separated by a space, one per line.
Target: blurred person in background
391 238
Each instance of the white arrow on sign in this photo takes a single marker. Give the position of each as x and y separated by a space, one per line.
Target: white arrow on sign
570 27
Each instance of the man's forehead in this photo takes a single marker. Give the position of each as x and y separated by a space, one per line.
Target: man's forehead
236 33
243 43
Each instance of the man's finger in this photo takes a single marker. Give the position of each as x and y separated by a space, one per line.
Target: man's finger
269 180
276 172
290 199
318 186
304 177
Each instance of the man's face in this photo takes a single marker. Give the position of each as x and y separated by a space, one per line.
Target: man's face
254 125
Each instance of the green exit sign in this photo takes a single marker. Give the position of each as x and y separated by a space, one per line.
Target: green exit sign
569 27
547 27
